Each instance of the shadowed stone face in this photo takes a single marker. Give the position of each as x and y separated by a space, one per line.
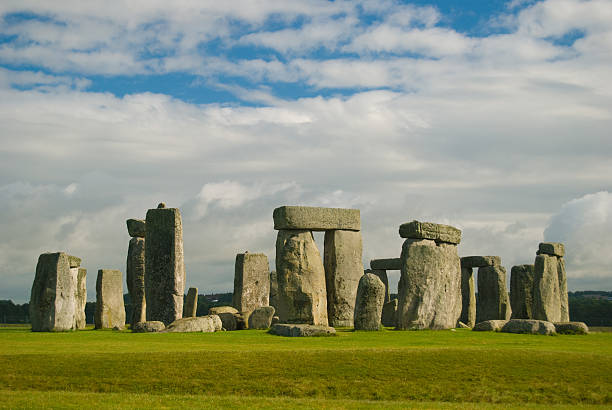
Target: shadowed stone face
468 297
273 289
389 313
386 264
191 303
110 310
493 302
135 277
251 281
136 228
81 298
369 303
521 291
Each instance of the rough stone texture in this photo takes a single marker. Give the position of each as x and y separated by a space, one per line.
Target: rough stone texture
429 230
135 277
273 289
301 330
148 327
382 275
74 261
191 303
301 279
493 301
210 323
389 314
562 276
222 309
229 320
490 325
251 281
53 297
316 218
551 248
572 328
164 267
369 303
521 291
529 326
110 311
343 268
480 261
468 297
136 227
429 286
546 292
386 264
261 318
81 298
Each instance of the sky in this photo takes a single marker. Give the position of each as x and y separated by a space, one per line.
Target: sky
493 117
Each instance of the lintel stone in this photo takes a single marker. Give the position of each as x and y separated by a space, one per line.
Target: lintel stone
136 227
386 264
429 230
551 248
480 261
316 218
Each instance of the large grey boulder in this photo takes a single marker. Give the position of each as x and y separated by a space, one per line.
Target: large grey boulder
273 289
135 278
429 230
53 299
493 301
251 281
261 318
230 321
110 310
429 286
148 327
316 219
343 268
489 325
191 303
164 267
81 298
369 303
480 261
136 228
386 264
222 309
529 326
389 314
382 275
468 297
546 292
521 291
572 328
208 324
301 330
301 279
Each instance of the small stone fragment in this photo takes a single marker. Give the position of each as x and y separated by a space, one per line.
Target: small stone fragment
261 318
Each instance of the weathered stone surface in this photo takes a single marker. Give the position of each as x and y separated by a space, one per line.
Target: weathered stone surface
273 289
546 293
261 318
301 279
521 291
316 219
81 298
148 327
110 310
251 281
164 267
343 268
430 285
382 275
222 309
551 248
480 261
493 301
75 261
53 297
191 303
369 303
572 328
468 297
210 323
135 278
301 330
490 325
230 321
429 230
389 314
562 276
529 326
136 227
386 264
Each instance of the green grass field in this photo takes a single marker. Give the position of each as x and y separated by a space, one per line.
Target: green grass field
253 369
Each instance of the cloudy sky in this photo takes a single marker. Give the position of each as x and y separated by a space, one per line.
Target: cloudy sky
494 117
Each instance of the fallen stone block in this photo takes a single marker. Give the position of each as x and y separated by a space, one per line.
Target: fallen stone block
529 326
551 248
480 261
429 230
136 228
222 309
572 328
386 264
261 318
301 330
489 325
316 219
207 324
148 327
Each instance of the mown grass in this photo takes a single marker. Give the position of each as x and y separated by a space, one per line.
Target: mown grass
354 369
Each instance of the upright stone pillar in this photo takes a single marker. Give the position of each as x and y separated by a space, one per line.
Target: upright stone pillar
521 291
380 267
343 269
493 301
251 281
191 303
430 283
81 299
274 290
550 284
164 265
369 303
468 296
135 270
110 310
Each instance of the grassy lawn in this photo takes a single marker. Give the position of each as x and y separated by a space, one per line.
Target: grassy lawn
389 369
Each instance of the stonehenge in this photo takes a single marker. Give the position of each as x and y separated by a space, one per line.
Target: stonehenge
191 303
251 281
110 310
493 302
135 270
369 303
550 284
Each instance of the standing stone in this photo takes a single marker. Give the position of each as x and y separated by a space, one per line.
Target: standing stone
273 290
493 302
468 297
164 265
389 314
135 277
521 291
251 281
81 299
369 303
343 269
191 303
546 292
302 296
563 290
430 282
110 310
53 298
382 275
